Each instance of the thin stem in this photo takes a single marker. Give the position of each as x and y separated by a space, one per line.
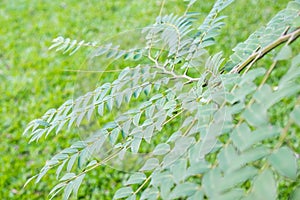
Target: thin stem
162 7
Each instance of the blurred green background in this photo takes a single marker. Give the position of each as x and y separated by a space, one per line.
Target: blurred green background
33 79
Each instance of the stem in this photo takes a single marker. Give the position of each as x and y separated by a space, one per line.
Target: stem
259 54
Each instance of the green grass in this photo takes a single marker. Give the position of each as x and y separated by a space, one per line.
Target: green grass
34 79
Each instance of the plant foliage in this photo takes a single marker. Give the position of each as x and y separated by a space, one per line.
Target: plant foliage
222 148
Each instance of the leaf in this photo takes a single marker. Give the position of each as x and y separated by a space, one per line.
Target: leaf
243 138
161 149
150 193
295 115
135 144
71 162
29 180
123 192
256 115
136 178
67 176
76 184
68 190
183 190
148 133
57 189
264 187
150 164
230 195
59 169
210 182
132 197
285 53
178 170
101 109
136 119
113 136
285 162
181 146
236 177
295 194
197 168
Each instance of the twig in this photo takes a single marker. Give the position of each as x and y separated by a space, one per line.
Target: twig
259 54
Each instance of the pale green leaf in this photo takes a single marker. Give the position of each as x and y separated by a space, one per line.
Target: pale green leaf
150 164
178 169
136 178
76 184
295 115
113 136
59 168
198 195
295 195
135 144
123 192
68 190
68 176
264 187
150 194
181 146
183 190
71 162
285 162
161 149
285 53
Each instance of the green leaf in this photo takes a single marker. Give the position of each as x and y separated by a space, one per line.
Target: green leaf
132 197
295 194
210 182
76 184
197 168
295 115
183 190
285 162
135 144
181 146
256 115
56 189
68 190
150 164
264 187
296 22
113 136
243 138
198 195
136 118
150 193
236 177
161 149
71 162
285 53
178 169
136 178
228 158
101 109
29 180
59 169
232 194
123 192
92 163
68 176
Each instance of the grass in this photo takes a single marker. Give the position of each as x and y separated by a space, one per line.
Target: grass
34 79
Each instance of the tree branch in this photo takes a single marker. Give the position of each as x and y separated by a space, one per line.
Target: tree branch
259 54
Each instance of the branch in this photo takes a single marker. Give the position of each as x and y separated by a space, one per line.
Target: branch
259 54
